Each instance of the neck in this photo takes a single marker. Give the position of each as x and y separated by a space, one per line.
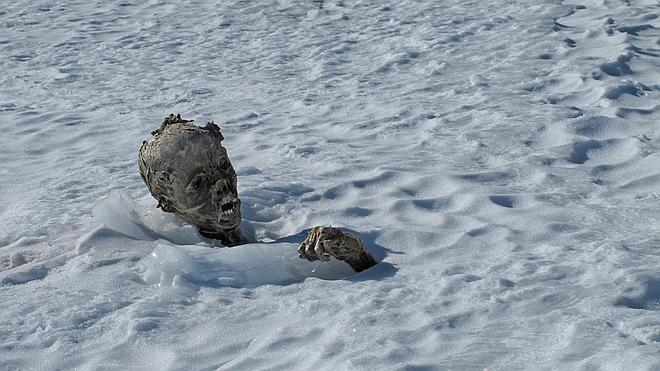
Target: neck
229 237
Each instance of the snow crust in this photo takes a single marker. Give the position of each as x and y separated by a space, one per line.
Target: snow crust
499 158
172 263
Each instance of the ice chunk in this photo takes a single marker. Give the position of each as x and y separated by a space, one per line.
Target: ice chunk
121 214
248 265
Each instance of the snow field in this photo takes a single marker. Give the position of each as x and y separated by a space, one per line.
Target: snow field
499 158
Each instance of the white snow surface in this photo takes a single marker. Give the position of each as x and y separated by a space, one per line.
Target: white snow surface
499 158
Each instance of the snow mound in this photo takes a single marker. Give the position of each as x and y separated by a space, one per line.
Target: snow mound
182 258
118 212
245 266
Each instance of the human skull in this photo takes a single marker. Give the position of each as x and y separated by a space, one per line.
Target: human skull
187 170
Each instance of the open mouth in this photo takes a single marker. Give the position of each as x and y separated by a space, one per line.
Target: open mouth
228 206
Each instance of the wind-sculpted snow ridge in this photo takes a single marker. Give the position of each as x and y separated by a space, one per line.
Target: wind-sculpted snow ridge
500 158
613 136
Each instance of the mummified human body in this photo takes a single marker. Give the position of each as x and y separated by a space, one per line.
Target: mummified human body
323 242
187 170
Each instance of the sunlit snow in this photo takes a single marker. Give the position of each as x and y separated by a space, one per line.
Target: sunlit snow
500 159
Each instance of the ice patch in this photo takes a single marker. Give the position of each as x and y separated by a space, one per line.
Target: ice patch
182 258
119 213
242 266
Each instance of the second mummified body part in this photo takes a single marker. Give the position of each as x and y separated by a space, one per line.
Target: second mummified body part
325 242
187 170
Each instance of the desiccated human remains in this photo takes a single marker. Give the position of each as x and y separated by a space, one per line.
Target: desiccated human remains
187 170
323 242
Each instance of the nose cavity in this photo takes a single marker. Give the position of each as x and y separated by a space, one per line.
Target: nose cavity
221 189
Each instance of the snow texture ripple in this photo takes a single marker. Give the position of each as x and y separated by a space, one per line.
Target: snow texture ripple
500 158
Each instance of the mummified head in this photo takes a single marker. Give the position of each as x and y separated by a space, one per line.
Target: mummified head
187 170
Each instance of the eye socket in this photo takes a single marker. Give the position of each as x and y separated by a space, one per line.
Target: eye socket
197 183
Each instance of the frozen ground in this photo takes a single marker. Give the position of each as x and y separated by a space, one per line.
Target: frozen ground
499 157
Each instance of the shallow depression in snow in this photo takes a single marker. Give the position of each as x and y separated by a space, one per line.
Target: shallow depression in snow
179 265
247 266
